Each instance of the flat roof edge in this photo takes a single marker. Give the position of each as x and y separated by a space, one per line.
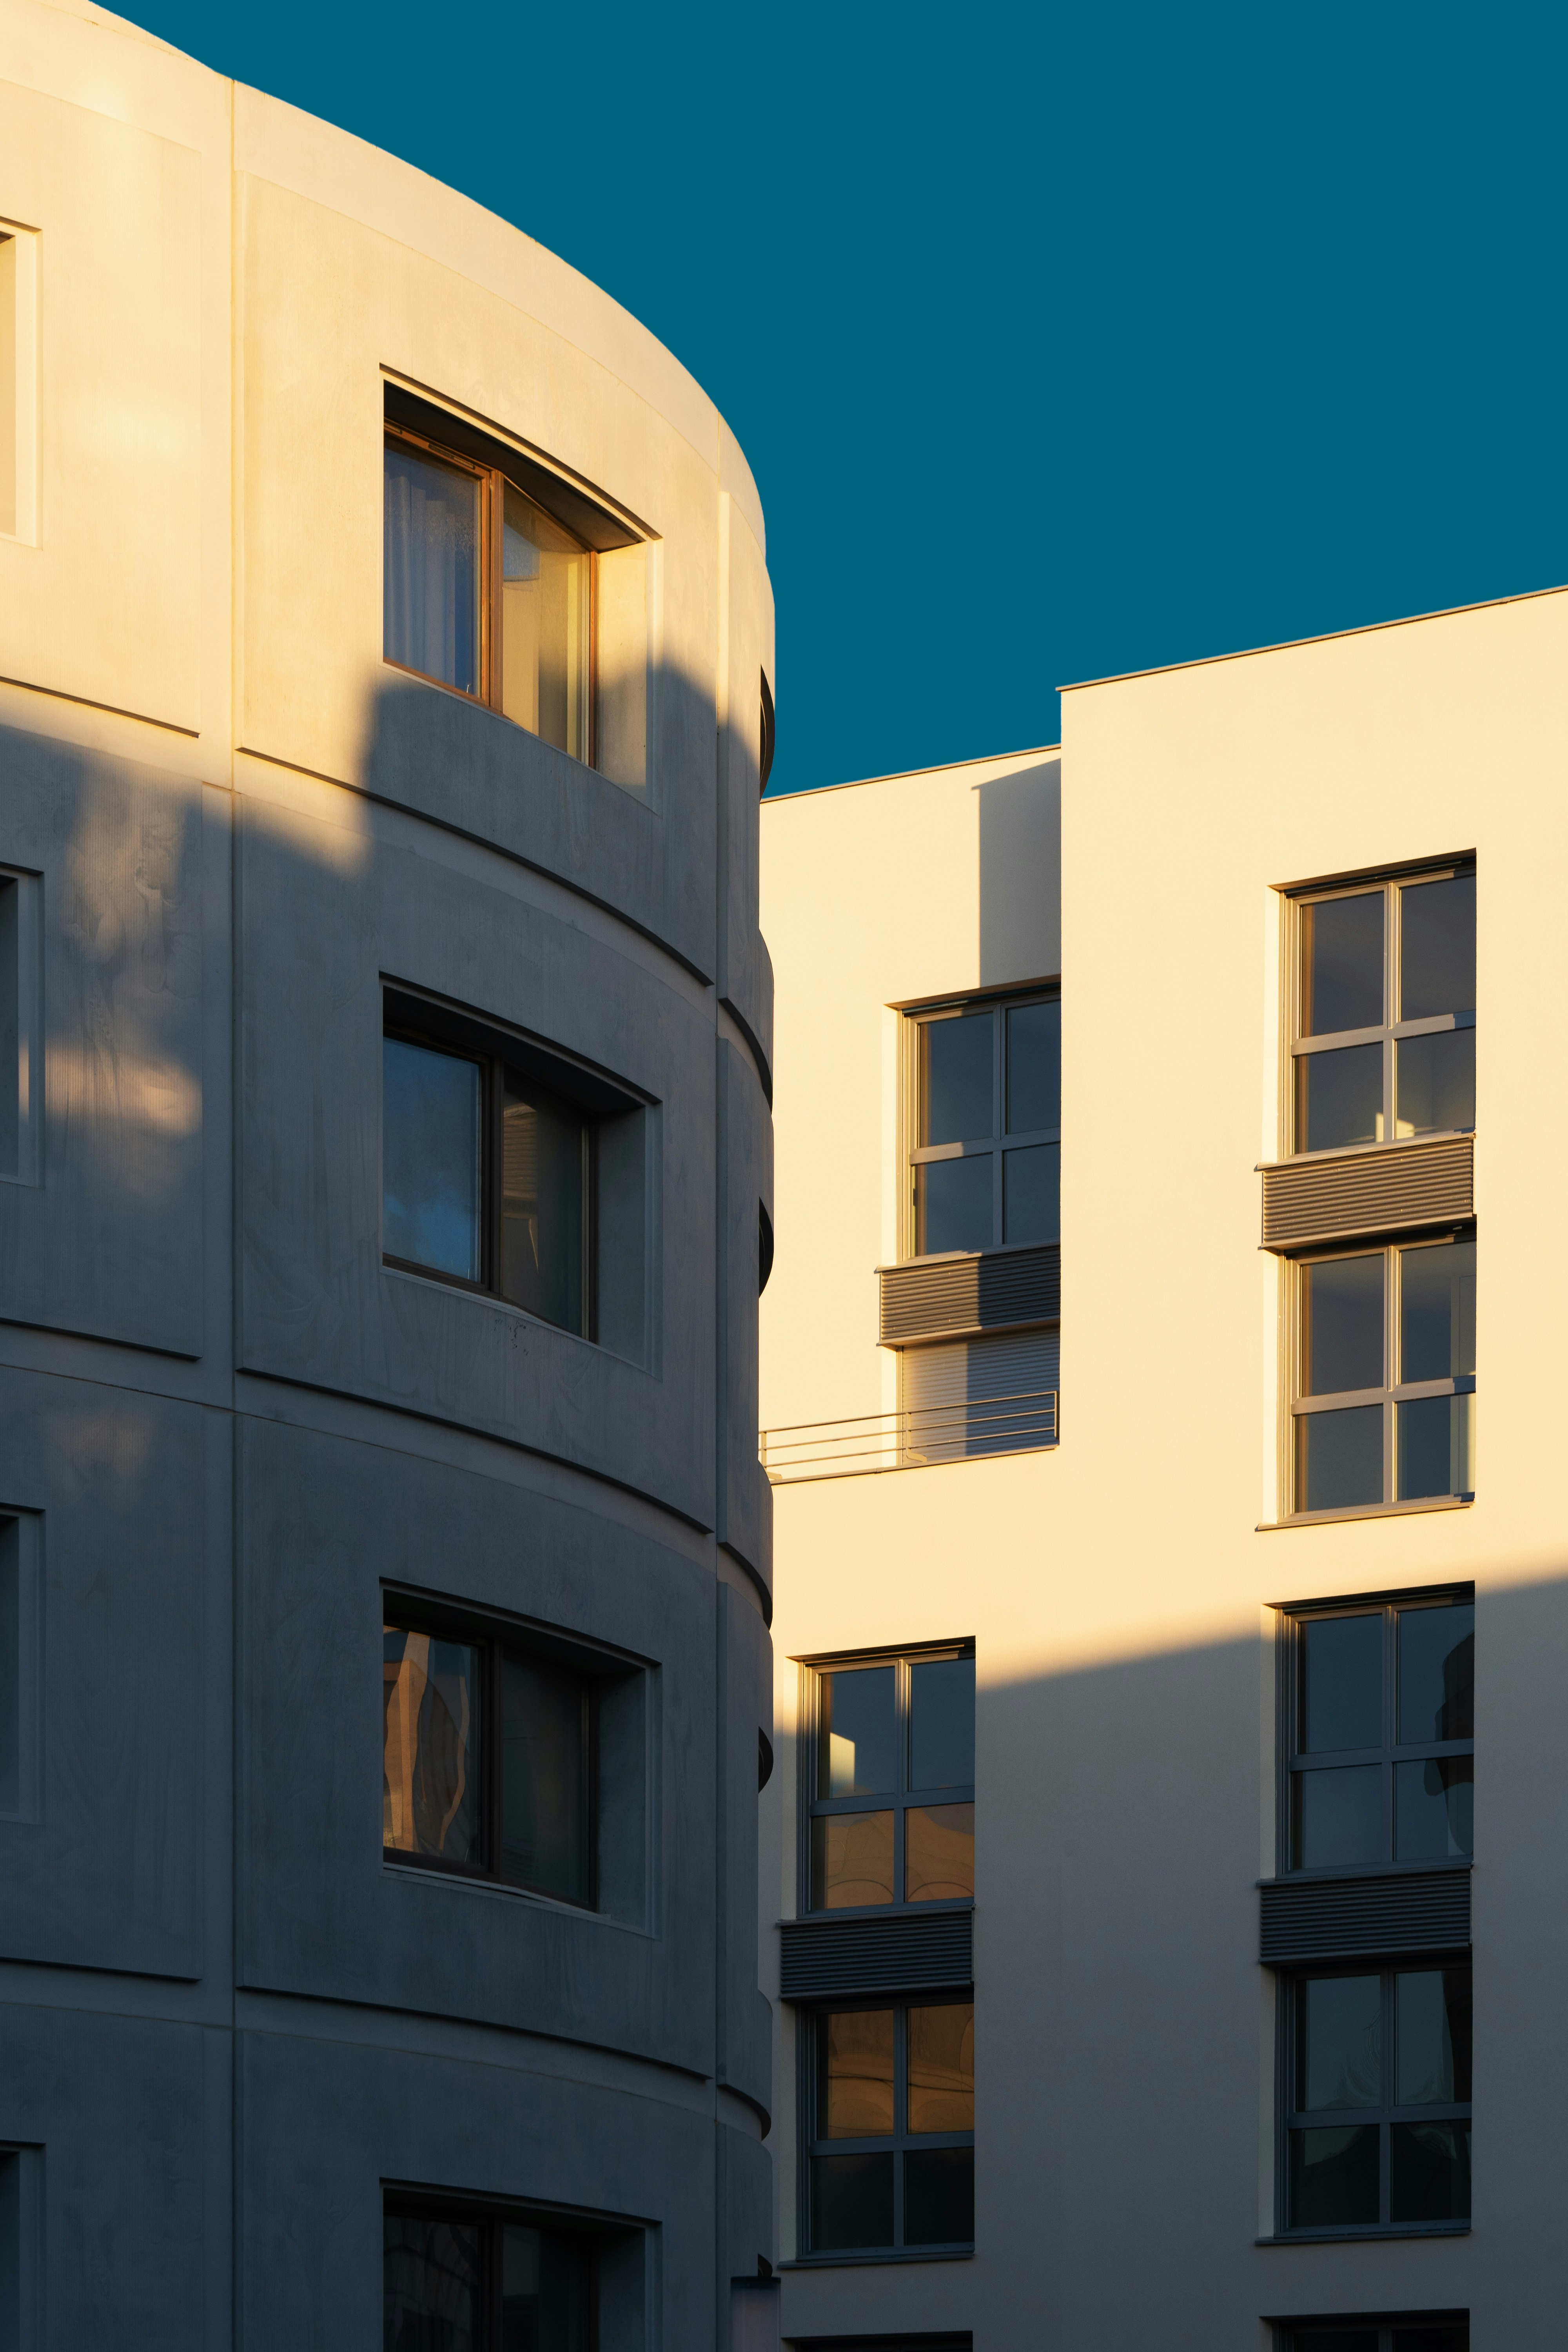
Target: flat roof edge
899 775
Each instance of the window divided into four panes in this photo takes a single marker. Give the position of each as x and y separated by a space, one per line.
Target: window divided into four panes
1378 2133
893 2127
1384 1402
986 1149
892 1792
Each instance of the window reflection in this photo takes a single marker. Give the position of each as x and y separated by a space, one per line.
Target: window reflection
1338 1099
1034 1067
857 1748
544 1183
1342 964
942 2067
432 1115
941 1723
430 1747
956 1078
952 1205
546 618
1437 948
855 2049
939 1852
1341 1325
852 1860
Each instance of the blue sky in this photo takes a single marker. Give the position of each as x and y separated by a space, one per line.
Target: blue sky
1060 342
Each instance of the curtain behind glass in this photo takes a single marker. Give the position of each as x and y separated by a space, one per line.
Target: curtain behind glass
430 568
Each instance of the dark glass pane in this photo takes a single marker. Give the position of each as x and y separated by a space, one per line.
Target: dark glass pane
431 1106
1432 2038
1341 1325
430 568
1337 1818
851 2202
430 1747
956 1079
941 2068
1437 1311
1433 1447
1338 1099
545 1831
939 1852
1339 1458
1034 1067
1434 1809
545 2291
1342 1683
1437 948
942 1724
1031 1193
1453 2338
939 2197
432 2285
1341 2039
851 1860
1342 964
1431 2172
855 2074
857 1748
544 1191
952 1205
1333 2176
1438 1673
1436 1077
1333 2339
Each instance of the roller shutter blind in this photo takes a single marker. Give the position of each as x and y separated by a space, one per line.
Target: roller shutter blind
968 1397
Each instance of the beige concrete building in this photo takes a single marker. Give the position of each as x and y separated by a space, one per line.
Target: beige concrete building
1177 1938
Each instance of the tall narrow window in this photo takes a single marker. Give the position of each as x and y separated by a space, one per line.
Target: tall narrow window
1378 2136
985 1147
1384 1402
19 1027
546 631
891 2162
892 1792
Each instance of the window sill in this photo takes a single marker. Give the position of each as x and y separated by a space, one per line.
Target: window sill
868 2261
1367 1511
1366 2237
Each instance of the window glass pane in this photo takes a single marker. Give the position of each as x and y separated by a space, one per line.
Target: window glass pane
430 1747
1333 2339
1333 2178
1437 1311
1341 1325
1438 1673
1435 1075
430 568
851 2202
1338 1099
1431 2340
1336 1818
857 1750
1339 1458
1341 2034
1437 948
942 1724
1434 1809
544 1815
544 2291
956 1078
1430 2172
939 1852
1342 964
939 2197
543 1185
1342 1683
1031 1193
545 622
851 1860
1434 1449
432 2285
1432 2038
855 2074
1034 1067
431 1106
941 2068
952 1205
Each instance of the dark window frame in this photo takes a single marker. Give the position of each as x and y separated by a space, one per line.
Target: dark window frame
1347 2323
900 2144
898 1801
1001 1140
400 2202
417 1614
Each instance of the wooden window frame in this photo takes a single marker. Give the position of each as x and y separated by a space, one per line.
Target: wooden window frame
900 1801
1001 1140
902 2142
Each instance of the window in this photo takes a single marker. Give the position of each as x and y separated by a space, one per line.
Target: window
457 2279
18 382
767 738
511 1756
19 1000
1416 2331
1384 1402
508 1170
19 1626
1378 2128
900 1732
892 2128
985 1148
1385 1025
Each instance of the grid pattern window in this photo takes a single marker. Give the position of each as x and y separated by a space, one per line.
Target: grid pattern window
1380 1734
1378 2101
492 2281
986 1141
1384 1044
1384 1392
891 1794
892 2129
1415 2331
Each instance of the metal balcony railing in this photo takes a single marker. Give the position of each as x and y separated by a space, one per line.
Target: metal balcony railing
914 1437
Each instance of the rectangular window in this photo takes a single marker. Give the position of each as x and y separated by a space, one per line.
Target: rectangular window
1385 1043
985 1140
1378 2128
1412 2331
1383 1409
891 2162
892 1782
20 993
457 2279
1379 1734
20 1618
512 1756
18 382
